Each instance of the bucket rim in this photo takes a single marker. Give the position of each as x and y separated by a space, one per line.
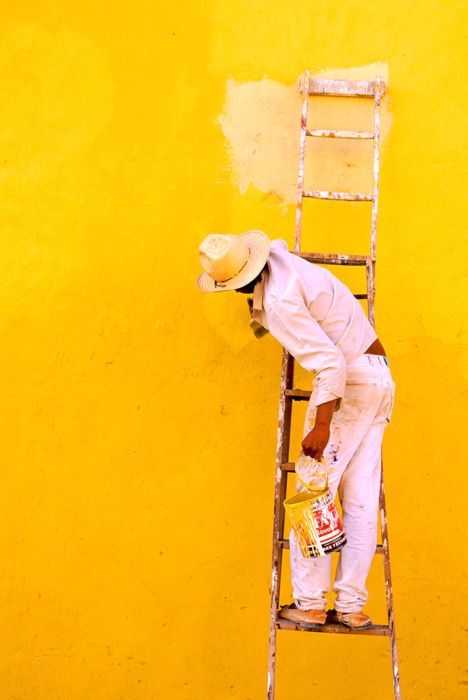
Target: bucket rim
303 497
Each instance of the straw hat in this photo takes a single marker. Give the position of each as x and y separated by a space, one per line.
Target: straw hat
231 262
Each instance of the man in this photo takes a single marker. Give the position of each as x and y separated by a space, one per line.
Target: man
318 320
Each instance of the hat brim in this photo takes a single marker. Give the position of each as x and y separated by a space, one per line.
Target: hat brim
258 244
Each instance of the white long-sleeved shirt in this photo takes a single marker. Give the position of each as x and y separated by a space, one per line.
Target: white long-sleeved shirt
314 316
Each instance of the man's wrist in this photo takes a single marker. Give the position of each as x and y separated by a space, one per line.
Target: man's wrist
323 422
324 413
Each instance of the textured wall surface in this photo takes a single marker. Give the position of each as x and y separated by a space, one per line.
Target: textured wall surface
139 416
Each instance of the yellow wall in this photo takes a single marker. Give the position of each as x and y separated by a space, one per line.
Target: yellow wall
139 417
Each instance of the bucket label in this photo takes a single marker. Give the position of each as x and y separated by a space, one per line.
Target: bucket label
326 515
329 528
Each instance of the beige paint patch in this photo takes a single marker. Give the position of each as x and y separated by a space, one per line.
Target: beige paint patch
261 122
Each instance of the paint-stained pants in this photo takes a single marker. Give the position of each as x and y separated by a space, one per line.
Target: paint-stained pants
353 457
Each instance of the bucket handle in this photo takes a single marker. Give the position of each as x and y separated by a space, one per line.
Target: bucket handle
307 486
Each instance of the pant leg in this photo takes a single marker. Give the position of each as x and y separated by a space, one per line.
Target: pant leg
311 577
359 495
364 413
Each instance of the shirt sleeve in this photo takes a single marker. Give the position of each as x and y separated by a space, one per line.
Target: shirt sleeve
291 323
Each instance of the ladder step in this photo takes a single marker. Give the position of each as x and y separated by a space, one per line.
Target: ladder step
333 627
288 466
340 134
344 88
284 543
342 196
336 258
298 394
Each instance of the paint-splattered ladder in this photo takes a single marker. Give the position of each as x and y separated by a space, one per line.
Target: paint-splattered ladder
342 88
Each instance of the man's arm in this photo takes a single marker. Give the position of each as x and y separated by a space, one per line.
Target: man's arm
315 442
291 323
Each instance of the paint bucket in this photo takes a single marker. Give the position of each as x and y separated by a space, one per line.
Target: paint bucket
314 515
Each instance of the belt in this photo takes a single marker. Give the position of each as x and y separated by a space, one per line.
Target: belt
368 359
377 359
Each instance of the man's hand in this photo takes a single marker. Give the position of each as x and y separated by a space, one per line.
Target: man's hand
316 441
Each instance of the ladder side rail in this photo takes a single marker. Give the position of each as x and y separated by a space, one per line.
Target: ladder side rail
370 277
376 168
302 147
282 455
371 291
388 586
375 200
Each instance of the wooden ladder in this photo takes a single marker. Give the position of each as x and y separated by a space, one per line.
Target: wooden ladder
288 394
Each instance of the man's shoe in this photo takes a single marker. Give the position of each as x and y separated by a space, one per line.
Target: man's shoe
306 617
355 620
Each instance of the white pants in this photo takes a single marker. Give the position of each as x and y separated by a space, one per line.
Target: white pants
353 458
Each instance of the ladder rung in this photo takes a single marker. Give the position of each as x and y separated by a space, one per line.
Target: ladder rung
336 258
288 466
284 543
341 196
298 394
345 88
333 627
340 134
